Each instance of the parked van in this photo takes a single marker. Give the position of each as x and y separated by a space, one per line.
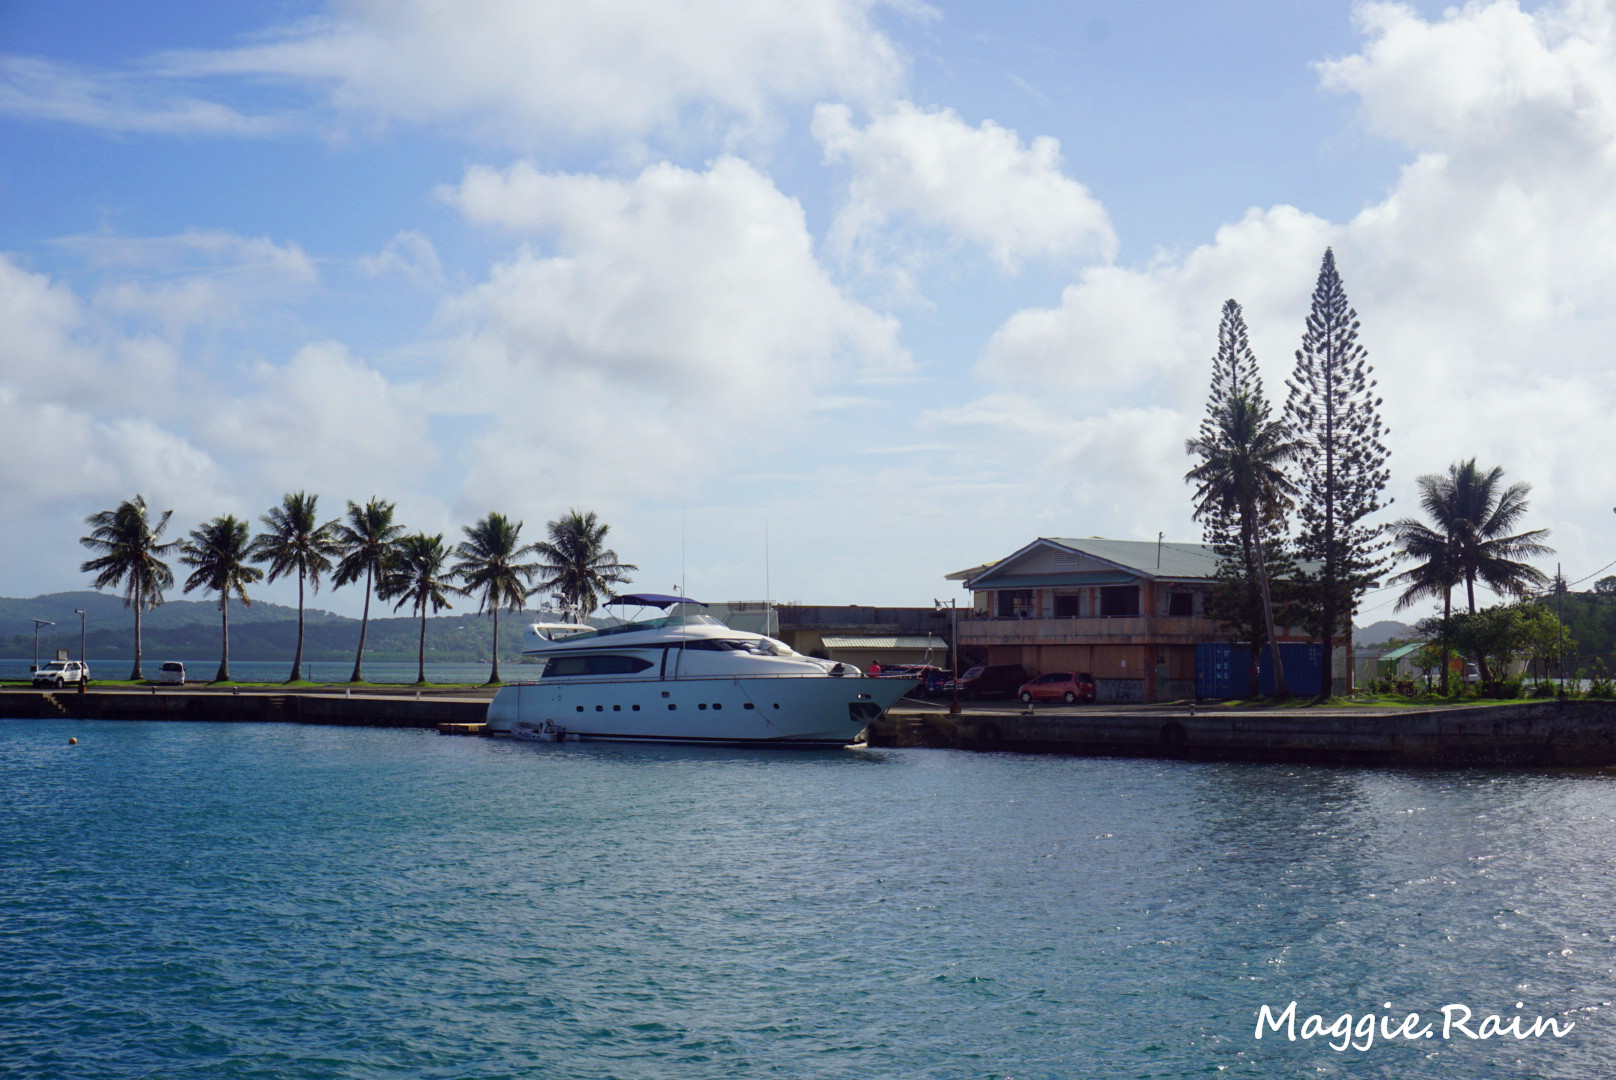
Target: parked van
171 672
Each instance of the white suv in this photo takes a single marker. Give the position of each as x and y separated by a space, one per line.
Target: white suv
59 673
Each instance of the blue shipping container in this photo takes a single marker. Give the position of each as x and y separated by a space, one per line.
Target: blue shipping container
1223 669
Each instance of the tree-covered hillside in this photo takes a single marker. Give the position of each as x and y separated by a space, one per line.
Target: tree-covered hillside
189 629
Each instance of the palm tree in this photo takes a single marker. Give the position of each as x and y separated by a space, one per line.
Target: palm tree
1242 479
1473 519
580 566
220 551
417 575
489 567
130 557
1477 515
364 539
295 541
1436 573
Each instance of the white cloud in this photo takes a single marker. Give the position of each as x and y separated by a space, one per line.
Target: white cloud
981 185
1487 78
43 90
327 421
195 250
54 348
680 314
517 70
1484 280
193 278
1121 329
409 254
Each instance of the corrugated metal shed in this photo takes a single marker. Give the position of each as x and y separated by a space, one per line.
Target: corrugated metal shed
906 641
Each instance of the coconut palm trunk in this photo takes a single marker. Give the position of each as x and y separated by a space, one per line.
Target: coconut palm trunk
493 676
135 673
364 624
223 674
420 656
297 656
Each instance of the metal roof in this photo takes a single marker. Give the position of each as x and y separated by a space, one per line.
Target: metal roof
1406 650
1177 560
905 641
1076 579
1133 558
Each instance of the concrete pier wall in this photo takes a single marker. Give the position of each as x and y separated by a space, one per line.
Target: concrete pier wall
361 710
1548 733
1578 734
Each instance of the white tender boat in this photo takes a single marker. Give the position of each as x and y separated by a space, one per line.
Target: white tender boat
687 678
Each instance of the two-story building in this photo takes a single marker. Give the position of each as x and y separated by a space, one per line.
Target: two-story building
1130 612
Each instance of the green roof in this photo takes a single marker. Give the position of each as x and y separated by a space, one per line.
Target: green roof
1133 559
1148 558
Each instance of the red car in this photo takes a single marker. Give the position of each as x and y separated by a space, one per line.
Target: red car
1067 686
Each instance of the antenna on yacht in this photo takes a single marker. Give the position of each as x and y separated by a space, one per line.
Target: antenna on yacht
768 602
682 581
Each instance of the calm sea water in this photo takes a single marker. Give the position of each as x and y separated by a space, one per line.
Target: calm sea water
200 900
322 671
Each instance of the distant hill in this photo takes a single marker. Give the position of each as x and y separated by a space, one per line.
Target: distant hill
189 629
104 610
1380 632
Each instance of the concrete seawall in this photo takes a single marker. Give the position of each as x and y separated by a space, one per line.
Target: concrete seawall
1575 734
383 709
1580 734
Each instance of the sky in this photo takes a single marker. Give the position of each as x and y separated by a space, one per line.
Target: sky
810 300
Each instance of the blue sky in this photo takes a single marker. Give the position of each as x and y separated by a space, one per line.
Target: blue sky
899 285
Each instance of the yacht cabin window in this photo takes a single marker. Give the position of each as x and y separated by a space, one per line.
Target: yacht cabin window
605 664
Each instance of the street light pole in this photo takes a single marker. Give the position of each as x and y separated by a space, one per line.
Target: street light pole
37 624
953 651
80 613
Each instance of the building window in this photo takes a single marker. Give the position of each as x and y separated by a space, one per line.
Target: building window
1119 601
1015 603
1065 606
1181 605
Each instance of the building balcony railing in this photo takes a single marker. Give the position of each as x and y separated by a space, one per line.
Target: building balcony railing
1101 630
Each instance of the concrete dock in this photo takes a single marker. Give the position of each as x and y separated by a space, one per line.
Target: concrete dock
1576 734
404 707
1552 733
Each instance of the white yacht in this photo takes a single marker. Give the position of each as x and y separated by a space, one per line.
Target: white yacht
685 677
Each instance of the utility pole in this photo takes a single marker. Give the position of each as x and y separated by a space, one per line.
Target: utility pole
37 624
953 651
1560 588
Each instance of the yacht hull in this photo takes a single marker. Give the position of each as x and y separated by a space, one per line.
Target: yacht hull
759 710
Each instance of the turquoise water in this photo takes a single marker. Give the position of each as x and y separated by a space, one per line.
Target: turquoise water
212 900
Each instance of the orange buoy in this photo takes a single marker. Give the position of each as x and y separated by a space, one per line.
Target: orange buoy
72 742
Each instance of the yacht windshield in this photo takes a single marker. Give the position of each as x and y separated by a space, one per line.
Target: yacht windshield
648 624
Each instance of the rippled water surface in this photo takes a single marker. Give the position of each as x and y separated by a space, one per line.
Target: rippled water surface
211 900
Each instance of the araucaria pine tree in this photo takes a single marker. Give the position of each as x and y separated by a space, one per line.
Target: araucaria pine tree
1242 493
1334 415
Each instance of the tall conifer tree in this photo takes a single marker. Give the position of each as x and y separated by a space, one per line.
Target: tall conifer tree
1242 493
1335 415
